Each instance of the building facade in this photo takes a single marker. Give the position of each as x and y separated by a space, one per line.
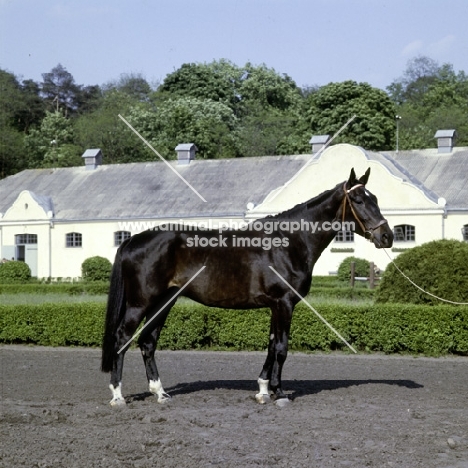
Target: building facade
53 219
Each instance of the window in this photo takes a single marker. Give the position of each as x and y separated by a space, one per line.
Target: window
120 236
344 236
404 233
25 239
465 232
74 239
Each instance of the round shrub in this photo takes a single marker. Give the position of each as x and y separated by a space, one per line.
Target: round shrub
439 267
96 269
344 270
14 272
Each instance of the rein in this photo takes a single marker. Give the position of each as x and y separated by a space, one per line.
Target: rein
368 232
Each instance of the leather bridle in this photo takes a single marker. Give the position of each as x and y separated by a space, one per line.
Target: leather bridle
368 232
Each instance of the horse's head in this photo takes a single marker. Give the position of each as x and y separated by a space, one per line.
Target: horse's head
360 207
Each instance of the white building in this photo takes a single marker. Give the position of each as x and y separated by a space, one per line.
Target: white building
56 218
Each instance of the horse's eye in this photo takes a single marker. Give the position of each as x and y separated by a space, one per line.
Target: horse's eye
358 201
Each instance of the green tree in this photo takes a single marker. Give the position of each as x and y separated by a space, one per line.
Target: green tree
52 145
210 125
265 87
237 87
12 151
32 108
218 81
132 84
60 91
89 99
266 104
267 132
271 113
10 99
420 73
103 129
328 109
12 107
430 97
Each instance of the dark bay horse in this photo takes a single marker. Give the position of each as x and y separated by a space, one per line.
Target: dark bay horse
152 267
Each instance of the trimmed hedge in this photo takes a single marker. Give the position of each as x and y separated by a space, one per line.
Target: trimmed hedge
362 267
389 328
14 272
94 288
77 324
328 281
96 269
439 267
71 289
342 293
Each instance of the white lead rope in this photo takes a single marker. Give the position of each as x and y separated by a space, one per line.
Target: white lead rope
419 287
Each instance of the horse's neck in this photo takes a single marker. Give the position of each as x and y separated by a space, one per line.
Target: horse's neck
331 207
324 209
321 217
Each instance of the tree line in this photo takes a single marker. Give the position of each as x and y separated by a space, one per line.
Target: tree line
226 110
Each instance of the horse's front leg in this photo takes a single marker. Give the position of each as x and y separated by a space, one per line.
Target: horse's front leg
263 395
270 377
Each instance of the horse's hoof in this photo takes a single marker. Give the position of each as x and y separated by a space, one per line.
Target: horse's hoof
116 402
164 398
282 402
262 398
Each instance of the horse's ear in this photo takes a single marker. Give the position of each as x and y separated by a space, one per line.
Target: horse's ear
351 180
363 180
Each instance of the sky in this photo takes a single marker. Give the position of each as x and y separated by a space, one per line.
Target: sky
315 42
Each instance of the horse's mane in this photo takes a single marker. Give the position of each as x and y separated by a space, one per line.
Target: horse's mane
307 205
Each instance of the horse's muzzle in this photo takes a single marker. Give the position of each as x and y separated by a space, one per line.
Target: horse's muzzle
381 235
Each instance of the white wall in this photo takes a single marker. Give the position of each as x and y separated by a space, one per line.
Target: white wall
400 202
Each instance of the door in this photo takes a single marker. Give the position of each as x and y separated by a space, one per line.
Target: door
30 258
26 250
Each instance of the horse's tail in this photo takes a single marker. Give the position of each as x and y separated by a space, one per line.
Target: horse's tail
114 314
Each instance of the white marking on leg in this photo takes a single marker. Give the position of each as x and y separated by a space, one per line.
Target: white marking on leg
156 388
263 395
117 398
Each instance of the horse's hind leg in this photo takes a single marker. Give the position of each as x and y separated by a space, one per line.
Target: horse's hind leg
124 334
149 339
147 346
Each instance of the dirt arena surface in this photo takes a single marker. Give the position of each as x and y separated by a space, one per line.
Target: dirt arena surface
346 411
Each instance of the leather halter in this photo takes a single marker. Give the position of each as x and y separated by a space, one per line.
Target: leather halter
369 232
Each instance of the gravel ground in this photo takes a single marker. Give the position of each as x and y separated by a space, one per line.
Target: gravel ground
345 411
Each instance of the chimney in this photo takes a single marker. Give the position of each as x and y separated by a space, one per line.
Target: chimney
185 153
445 140
318 142
92 158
